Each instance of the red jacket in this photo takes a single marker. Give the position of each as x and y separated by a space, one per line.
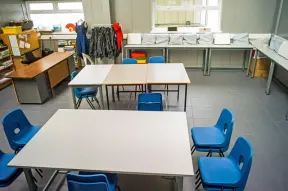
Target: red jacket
118 30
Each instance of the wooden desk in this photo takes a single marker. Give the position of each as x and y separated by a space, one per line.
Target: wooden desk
34 82
158 144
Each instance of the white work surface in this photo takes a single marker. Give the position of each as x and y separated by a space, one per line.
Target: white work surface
129 142
121 74
170 73
145 46
91 75
271 54
230 46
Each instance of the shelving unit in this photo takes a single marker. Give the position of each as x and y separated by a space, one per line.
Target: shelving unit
6 67
69 46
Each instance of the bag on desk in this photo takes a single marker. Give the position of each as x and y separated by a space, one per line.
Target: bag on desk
189 39
276 42
206 38
176 39
241 39
162 39
148 39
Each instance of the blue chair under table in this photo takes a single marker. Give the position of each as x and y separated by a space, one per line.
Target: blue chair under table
85 93
156 60
7 174
216 138
150 102
92 181
129 61
19 131
228 173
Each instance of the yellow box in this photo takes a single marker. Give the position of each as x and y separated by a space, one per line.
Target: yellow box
262 67
12 30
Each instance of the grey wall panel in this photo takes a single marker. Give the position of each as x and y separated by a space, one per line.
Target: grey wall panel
11 10
283 25
123 14
141 15
255 16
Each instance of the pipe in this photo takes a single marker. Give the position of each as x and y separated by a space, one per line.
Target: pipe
278 17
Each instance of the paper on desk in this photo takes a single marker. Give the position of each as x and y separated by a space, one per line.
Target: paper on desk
27 45
21 44
16 51
13 41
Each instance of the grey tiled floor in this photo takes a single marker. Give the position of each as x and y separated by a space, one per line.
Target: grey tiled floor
258 117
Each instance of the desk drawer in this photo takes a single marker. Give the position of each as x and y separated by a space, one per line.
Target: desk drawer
58 73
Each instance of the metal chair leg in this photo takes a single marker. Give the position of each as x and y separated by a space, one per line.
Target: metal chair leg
89 102
39 173
193 148
197 185
210 153
97 101
78 103
118 188
221 153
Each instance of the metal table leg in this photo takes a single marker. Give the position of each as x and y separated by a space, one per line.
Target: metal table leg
254 65
244 60
73 98
209 61
249 62
270 77
29 177
113 94
101 97
206 61
163 54
178 184
107 97
185 99
167 55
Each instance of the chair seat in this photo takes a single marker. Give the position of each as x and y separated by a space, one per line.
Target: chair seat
207 137
28 136
7 173
217 171
89 91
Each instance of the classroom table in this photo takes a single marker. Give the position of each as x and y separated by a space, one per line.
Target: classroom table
275 59
34 83
127 74
191 47
91 76
158 144
168 74
248 48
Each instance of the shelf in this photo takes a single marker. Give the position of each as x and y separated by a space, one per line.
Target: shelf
4 82
6 56
6 66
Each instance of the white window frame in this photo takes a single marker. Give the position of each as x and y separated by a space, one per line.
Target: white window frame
186 7
55 7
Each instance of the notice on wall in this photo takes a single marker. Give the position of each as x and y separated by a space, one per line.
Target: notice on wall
16 51
21 44
13 41
27 45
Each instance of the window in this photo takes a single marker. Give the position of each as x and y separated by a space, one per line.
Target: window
187 13
46 14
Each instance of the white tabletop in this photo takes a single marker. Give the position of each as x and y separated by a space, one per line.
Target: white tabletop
271 54
145 46
91 75
121 74
170 73
231 46
128 142
188 46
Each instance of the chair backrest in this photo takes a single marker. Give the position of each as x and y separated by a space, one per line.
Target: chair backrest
77 91
225 123
242 153
150 102
97 182
15 125
87 57
129 61
156 60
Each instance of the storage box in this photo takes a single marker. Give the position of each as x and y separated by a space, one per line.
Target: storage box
12 30
262 67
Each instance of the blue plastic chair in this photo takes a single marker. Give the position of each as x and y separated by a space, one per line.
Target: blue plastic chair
129 61
18 129
89 92
89 181
228 173
214 139
7 174
150 102
156 60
